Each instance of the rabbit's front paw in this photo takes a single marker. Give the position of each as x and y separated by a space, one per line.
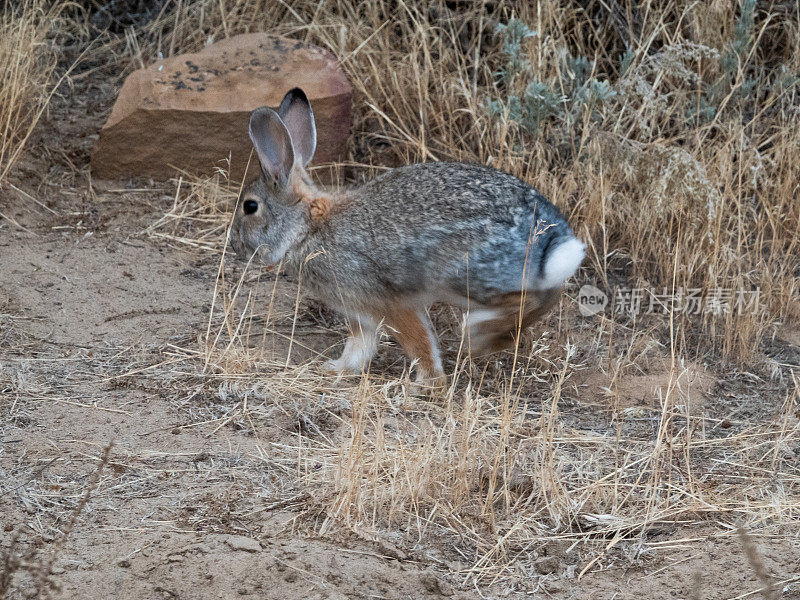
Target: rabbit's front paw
338 367
358 352
426 383
331 366
349 363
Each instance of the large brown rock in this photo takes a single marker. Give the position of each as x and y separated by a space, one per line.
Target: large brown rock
191 111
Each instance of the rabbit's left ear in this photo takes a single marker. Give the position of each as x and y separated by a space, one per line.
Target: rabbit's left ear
296 113
273 145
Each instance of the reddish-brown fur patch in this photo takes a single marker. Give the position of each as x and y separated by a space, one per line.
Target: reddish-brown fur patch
319 203
409 331
319 208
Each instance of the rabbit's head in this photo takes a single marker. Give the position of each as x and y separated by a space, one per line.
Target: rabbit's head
274 211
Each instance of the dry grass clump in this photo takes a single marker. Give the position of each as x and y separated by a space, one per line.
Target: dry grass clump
669 136
199 214
29 571
25 80
515 460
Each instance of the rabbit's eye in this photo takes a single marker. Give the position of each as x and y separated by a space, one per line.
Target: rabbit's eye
249 207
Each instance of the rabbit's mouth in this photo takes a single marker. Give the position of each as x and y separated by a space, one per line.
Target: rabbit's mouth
236 246
240 247
239 244
246 252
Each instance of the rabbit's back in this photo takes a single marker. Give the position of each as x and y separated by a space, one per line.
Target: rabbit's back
435 228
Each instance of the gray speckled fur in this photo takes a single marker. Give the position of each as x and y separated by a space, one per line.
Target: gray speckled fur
438 231
383 252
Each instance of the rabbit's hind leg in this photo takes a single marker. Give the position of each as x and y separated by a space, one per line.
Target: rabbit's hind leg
498 323
413 329
360 347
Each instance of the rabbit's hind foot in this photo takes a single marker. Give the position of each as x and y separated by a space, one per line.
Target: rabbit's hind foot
498 324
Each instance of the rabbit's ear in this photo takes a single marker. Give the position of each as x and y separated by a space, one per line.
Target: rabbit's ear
273 144
295 110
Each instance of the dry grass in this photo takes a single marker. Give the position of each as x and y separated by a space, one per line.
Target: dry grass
511 461
199 215
500 468
28 61
33 568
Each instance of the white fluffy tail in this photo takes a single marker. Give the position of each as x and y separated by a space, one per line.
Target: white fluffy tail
561 263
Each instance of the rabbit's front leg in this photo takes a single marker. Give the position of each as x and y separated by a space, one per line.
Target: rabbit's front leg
359 349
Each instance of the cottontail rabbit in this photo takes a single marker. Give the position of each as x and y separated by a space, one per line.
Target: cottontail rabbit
384 251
